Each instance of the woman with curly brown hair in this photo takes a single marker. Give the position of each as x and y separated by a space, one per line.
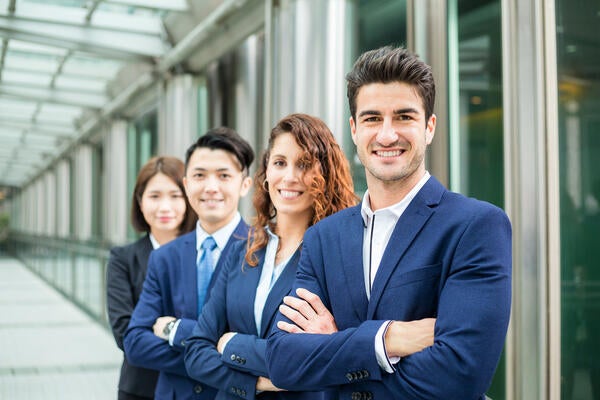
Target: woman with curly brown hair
303 177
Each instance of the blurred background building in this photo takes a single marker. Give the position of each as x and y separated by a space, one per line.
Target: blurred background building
90 89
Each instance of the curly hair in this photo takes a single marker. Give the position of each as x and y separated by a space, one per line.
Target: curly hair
332 188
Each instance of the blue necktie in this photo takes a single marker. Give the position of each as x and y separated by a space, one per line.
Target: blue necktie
205 269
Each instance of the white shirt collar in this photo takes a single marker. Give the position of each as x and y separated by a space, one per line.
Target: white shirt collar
221 236
155 244
395 209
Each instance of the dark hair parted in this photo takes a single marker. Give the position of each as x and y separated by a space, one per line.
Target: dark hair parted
171 167
332 187
391 64
227 139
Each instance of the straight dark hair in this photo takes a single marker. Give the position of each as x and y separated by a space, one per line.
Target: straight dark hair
227 139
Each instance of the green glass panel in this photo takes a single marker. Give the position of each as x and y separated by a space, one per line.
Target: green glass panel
476 133
578 58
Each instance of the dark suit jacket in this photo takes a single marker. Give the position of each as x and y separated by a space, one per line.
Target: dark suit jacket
231 309
124 279
449 257
170 288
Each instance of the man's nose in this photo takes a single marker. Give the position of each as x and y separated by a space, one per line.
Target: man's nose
387 134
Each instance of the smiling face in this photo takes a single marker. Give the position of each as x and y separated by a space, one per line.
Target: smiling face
288 178
391 134
163 205
214 183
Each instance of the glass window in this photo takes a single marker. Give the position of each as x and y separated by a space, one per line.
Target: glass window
578 53
377 26
475 102
142 138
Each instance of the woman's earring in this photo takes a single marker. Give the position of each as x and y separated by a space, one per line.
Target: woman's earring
266 185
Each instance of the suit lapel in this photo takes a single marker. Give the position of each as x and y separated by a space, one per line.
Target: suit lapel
351 234
247 291
190 275
407 228
240 233
280 289
142 252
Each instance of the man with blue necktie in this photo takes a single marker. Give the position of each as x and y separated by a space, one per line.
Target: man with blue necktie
180 274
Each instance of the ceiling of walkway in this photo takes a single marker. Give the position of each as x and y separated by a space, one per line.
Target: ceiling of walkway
65 65
57 59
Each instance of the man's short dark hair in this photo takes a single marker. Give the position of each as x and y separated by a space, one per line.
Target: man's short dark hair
227 139
391 64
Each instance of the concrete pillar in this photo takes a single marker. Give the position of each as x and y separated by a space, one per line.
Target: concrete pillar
116 199
178 116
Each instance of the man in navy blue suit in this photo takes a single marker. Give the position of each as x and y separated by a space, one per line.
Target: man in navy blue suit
179 277
407 295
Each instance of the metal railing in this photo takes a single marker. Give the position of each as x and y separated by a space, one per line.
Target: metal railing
77 269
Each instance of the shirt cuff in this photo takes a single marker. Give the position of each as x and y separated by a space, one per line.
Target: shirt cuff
173 332
385 362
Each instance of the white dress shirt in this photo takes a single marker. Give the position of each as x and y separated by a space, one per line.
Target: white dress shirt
379 226
268 276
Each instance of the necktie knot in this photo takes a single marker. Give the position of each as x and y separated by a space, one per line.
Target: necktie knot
208 244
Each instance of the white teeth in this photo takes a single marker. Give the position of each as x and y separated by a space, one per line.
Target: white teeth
288 195
212 202
395 153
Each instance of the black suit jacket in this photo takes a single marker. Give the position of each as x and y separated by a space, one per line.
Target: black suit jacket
124 280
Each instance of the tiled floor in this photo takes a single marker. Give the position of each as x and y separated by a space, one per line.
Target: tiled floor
50 349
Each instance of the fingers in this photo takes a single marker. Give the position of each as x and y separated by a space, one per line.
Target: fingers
313 300
294 316
287 327
300 305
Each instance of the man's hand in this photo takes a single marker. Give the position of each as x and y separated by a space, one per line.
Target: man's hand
308 313
159 326
223 340
265 385
405 338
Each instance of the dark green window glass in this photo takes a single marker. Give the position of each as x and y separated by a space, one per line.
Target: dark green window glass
578 54
477 146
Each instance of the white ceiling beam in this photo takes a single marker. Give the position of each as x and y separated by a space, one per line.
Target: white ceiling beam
48 126
166 5
54 96
101 42
34 130
77 16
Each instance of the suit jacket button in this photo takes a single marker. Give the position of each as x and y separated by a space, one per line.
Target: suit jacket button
232 357
182 342
349 377
198 389
243 361
366 373
368 396
355 396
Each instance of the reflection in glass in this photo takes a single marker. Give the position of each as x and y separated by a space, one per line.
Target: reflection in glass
477 156
578 52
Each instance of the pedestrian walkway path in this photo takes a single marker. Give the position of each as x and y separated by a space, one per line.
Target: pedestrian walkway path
49 348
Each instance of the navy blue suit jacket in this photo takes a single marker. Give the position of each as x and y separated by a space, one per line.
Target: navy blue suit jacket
125 275
449 257
231 309
170 288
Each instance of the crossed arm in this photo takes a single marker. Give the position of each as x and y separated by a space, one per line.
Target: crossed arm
309 315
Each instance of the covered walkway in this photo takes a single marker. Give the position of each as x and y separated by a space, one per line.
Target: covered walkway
49 348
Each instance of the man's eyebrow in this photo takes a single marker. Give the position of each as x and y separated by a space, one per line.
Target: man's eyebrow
408 110
369 112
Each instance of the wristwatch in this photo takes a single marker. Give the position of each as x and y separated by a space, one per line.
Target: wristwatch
168 328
